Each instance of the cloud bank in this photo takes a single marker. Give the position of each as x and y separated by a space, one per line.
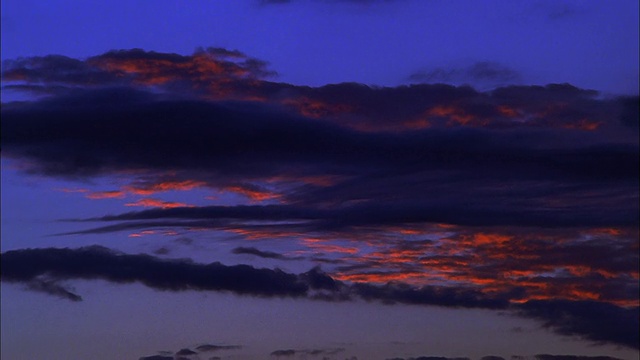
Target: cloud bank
522 198
594 321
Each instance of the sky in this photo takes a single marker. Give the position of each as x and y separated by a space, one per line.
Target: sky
320 179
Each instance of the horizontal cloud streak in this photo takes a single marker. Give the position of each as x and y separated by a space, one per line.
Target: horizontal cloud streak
591 320
523 198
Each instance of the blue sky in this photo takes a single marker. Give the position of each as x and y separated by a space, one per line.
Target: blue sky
320 179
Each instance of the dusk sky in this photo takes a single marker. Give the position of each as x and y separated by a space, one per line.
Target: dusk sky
320 179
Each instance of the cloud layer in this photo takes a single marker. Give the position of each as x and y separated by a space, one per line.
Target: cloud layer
594 321
522 198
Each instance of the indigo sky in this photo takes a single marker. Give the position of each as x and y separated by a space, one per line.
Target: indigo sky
320 179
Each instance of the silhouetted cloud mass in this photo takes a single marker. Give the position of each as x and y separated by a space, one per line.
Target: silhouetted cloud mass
262 254
101 263
519 357
157 357
573 357
521 198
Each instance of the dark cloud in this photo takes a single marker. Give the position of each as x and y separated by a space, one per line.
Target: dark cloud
483 73
262 254
436 175
430 295
221 74
304 352
573 357
493 357
431 358
630 114
162 251
595 321
186 352
209 347
52 287
283 353
101 263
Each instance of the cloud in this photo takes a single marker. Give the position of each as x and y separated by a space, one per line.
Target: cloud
594 321
522 198
417 169
52 287
149 202
186 352
221 74
483 73
180 354
262 254
209 347
432 358
630 114
283 353
572 357
100 263
304 352
157 357
537 357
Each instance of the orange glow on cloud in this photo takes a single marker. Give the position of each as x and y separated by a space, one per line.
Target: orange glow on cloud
321 245
507 111
114 194
164 186
254 234
315 108
417 124
455 115
316 180
583 124
142 233
492 262
410 232
606 231
381 278
216 75
148 202
253 194
490 239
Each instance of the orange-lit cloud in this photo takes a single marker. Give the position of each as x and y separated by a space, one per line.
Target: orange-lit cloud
152 188
253 193
142 233
323 246
113 194
148 202
317 108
